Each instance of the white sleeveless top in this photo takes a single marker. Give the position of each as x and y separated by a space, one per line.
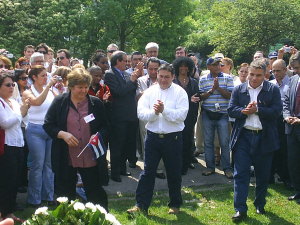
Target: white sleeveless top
36 114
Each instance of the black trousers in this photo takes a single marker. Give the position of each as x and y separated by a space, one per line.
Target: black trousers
122 145
294 156
67 179
9 174
187 151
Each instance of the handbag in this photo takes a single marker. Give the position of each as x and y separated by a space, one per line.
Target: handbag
2 136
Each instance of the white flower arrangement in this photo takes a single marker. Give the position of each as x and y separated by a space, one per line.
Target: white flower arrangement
73 212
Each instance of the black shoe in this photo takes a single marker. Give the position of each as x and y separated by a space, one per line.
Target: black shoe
260 210
192 166
127 174
194 160
160 175
239 216
294 197
132 165
116 178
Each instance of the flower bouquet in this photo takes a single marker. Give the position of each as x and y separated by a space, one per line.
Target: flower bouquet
72 213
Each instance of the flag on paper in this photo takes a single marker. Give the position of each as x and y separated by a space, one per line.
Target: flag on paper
97 145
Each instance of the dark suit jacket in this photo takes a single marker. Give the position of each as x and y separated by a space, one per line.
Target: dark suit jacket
123 106
56 120
269 109
289 102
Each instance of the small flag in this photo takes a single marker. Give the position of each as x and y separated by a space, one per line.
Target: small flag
97 145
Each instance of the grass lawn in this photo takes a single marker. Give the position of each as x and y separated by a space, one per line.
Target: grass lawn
206 205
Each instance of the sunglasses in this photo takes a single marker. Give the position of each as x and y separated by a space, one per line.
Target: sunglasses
60 58
10 85
4 66
42 52
24 64
111 51
23 78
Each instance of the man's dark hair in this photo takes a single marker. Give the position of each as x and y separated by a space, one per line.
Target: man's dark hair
42 45
153 60
167 67
135 53
28 46
66 51
97 57
183 61
117 56
258 64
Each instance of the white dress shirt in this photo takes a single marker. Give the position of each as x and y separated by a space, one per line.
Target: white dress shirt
10 121
176 106
253 121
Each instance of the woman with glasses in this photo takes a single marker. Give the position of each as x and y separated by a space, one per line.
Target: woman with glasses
41 178
21 78
22 63
10 121
5 63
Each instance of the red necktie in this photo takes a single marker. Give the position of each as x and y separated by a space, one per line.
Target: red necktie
297 105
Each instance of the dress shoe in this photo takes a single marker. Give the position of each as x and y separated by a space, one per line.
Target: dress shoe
132 165
173 210
239 216
192 166
294 197
160 175
116 178
228 174
260 210
127 174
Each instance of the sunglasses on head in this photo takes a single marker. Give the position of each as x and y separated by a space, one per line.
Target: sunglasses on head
10 85
111 51
4 66
60 58
42 52
23 78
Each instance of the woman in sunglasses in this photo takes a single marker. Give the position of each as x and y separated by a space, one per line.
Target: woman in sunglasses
41 178
11 151
21 78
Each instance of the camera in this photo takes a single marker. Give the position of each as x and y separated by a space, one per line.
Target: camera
287 49
8 54
59 78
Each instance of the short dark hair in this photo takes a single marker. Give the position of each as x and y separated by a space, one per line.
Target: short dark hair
117 56
66 51
4 75
153 60
167 67
18 73
97 57
135 53
187 61
258 64
42 45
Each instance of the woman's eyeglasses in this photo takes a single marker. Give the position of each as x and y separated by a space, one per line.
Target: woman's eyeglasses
23 78
4 66
10 85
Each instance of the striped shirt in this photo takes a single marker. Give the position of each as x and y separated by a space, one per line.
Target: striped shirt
206 82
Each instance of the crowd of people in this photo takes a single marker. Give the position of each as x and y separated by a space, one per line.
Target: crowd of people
142 107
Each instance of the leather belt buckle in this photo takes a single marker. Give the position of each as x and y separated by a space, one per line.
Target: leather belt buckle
161 136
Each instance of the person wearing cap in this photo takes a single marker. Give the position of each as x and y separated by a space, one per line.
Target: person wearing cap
256 107
272 56
215 90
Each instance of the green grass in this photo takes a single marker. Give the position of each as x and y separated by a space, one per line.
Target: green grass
207 205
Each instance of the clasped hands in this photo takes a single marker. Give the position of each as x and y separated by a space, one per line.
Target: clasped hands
158 107
292 120
138 71
250 109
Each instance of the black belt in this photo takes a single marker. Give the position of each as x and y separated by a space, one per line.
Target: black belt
163 135
252 131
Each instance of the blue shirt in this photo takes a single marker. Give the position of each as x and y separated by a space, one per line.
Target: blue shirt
283 87
206 82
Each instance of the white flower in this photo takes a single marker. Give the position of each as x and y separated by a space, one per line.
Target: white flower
111 218
79 206
42 210
101 209
91 206
26 223
62 199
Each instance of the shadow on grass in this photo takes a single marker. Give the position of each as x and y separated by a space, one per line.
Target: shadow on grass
181 217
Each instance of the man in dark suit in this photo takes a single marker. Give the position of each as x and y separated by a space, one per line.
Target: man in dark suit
123 116
291 114
255 105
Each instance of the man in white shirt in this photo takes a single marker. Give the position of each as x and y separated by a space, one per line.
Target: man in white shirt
256 105
164 106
